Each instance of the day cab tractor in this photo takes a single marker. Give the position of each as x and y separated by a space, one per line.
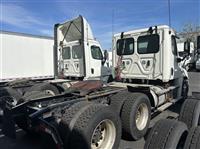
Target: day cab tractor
91 114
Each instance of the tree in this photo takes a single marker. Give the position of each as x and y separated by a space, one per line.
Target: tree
190 32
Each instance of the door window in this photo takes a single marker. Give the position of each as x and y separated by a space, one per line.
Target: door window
66 53
174 46
148 44
77 52
96 53
125 46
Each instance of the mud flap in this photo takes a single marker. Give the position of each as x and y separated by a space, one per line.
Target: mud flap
8 124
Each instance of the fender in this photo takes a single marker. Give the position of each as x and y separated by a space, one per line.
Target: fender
153 98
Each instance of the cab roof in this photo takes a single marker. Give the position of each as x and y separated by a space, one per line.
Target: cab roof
136 31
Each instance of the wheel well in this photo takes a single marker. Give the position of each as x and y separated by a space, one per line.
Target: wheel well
150 99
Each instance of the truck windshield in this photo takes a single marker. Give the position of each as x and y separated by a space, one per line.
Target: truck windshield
125 46
148 44
66 53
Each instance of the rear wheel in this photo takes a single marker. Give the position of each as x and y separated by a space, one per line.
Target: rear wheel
95 126
45 87
136 115
166 134
13 95
64 126
117 101
193 139
190 113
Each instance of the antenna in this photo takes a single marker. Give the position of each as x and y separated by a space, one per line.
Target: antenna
112 27
169 14
112 22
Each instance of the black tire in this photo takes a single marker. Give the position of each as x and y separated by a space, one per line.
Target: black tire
166 134
193 139
10 92
117 101
185 89
33 95
44 86
67 116
190 112
128 115
88 120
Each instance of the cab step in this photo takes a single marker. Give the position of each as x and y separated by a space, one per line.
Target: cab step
165 106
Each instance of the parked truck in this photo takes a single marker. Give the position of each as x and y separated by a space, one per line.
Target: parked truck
190 51
189 58
91 114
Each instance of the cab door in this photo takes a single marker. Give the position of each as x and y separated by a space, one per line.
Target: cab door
96 58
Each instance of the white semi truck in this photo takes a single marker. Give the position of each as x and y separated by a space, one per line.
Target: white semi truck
189 60
90 114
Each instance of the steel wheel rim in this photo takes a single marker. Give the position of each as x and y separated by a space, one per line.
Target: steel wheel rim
107 136
142 116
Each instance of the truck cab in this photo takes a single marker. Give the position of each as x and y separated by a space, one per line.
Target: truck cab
149 58
148 54
79 54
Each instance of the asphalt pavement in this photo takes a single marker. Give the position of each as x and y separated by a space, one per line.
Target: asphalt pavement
25 141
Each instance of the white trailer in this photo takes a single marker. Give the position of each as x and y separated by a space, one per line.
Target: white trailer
25 56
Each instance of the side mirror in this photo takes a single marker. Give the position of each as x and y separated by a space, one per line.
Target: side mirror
103 61
105 57
187 47
178 59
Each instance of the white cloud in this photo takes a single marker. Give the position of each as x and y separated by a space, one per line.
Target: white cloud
46 32
18 16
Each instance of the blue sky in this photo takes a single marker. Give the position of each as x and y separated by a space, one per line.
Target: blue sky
39 16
